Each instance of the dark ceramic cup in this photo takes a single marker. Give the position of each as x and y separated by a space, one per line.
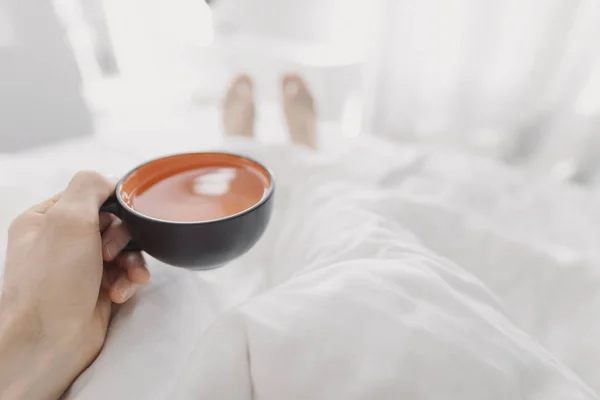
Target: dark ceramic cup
191 244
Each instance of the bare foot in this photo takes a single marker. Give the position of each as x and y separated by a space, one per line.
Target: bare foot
299 108
238 108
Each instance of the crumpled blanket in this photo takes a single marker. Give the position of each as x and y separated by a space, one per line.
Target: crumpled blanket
386 273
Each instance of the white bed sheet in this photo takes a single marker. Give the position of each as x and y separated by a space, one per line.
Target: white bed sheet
344 297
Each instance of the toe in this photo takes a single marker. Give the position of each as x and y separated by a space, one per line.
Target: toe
296 89
238 107
241 85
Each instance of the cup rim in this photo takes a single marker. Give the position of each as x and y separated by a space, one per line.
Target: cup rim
262 201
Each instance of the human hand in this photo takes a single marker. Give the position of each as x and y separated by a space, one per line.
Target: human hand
63 270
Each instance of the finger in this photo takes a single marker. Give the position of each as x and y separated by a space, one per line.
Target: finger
106 220
116 283
114 239
122 289
87 191
135 266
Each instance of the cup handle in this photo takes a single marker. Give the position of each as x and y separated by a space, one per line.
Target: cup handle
112 206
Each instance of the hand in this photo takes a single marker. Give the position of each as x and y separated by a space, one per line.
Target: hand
63 270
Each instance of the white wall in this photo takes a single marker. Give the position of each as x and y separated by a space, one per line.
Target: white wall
40 93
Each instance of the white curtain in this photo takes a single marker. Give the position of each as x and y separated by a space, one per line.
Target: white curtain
502 78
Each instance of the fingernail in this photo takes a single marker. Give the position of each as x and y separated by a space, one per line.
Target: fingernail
125 289
112 249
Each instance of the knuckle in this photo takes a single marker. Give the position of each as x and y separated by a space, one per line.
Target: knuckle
86 174
89 176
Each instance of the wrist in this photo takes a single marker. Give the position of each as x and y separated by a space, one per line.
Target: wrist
29 367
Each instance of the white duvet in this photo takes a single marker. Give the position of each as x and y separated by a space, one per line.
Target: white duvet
386 273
